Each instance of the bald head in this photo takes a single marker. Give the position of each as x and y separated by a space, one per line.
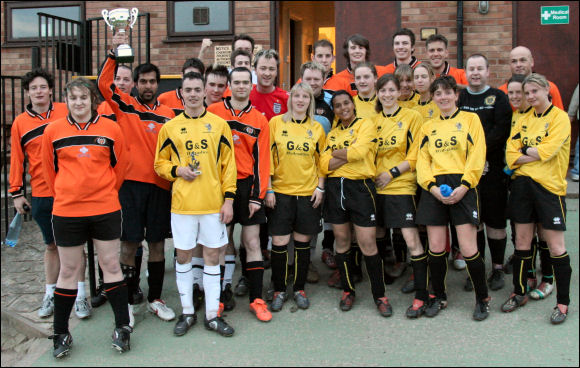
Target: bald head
521 61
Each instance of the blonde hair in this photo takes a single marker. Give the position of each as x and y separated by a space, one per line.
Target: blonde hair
427 66
310 111
538 79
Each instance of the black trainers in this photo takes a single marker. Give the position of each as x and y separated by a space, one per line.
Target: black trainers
384 307
346 301
242 287
417 309
409 285
468 284
122 339
183 324
62 344
496 280
220 326
514 302
198 297
558 316
435 305
508 267
481 311
227 297
100 298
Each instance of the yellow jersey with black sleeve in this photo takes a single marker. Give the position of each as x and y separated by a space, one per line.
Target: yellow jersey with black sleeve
550 134
365 107
517 115
398 141
295 148
207 140
411 101
451 145
427 109
360 140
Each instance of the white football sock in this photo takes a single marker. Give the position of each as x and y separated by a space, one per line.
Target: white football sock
184 279
211 285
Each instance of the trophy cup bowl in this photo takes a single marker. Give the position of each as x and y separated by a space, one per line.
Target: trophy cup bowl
119 20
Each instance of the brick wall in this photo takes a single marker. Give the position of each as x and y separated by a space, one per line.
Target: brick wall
489 34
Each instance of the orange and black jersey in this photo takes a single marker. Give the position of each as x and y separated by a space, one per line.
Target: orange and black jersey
390 68
398 141
360 140
251 137
549 133
342 80
451 145
295 155
140 123
411 101
106 111
84 165
173 99
26 141
456 73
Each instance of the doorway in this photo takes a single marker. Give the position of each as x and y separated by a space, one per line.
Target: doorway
301 23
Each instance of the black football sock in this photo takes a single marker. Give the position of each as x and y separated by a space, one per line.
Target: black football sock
117 294
480 243
562 275
521 261
343 261
419 264
279 266
497 250
301 263
534 252
374 266
399 246
155 279
243 261
64 300
476 271
355 259
438 269
328 241
382 247
130 275
255 272
546 263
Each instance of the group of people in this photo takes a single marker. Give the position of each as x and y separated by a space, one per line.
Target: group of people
383 158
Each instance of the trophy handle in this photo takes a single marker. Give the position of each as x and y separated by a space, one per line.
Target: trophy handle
134 15
105 14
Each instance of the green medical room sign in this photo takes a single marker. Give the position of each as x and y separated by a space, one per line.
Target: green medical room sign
555 14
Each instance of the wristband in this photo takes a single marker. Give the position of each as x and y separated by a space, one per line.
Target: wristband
270 191
395 172
320 189
525 150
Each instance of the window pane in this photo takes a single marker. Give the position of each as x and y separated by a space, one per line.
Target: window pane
25 21
219 16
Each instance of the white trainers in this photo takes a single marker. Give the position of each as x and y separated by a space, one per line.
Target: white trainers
83 308
47 307
159 308
131 317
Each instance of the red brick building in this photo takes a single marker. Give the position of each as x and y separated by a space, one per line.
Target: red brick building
293 26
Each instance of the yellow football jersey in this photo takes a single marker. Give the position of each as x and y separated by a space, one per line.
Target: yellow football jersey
428 110
412 101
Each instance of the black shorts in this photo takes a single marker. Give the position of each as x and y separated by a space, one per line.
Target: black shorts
530 203
294 213
493 191
42 213
350 201
73 231
241 203
396 211
146 207
431 212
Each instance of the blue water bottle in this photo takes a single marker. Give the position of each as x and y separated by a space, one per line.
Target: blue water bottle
14 231
445 190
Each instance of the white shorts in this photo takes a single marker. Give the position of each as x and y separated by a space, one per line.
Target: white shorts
190 230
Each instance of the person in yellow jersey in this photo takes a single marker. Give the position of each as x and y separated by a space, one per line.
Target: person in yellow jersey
365 79
349 162
451 159
538 150
297 190
423 76
409 98
398 141
195 152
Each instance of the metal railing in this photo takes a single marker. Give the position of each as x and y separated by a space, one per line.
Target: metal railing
12 105
100 35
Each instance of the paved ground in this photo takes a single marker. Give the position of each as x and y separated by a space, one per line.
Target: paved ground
321 335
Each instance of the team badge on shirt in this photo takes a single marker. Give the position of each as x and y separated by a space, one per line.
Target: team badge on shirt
249 130
430 112
400 125
309 132
151 128
458 126
546 126
84 152
351 132
277 107
208 127
489 100
100 140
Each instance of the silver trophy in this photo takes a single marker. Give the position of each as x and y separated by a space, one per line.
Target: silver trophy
120 20
194 165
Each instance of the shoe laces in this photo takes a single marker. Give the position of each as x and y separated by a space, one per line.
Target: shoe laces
82 304
47 301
